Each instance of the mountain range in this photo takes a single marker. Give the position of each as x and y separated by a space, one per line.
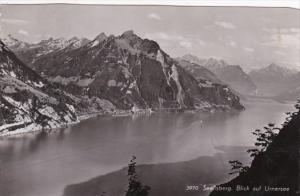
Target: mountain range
30 52
115 73
273 81
233 75
276 81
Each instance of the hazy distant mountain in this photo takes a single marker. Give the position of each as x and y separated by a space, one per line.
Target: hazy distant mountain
273 80
27 101
233 75
193 59
292 92
126 71
199 72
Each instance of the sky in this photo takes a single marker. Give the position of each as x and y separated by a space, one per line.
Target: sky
250 37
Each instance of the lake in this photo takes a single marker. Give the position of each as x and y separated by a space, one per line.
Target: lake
45 162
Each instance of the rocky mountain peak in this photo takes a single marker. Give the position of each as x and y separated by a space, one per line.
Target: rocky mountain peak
76 42
128 33
14 43
215 64
74 39
47 40
3 49
130 36
189 55
1 45
223 63
11 38
273 80
275 70
274 67
212 61
101 37
192 59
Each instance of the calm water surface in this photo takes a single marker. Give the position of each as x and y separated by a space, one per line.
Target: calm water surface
43 164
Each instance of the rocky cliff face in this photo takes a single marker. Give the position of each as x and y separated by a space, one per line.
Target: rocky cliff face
126 72
27 101
277 167
233 75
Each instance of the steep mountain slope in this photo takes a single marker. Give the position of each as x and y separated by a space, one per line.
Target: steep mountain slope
273 80
233 75
27 101
129 72
277 167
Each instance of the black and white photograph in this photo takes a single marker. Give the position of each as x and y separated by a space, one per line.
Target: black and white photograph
149 100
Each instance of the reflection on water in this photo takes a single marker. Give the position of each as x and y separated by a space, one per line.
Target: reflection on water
44 163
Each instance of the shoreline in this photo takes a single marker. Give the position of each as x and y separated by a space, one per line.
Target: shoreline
117 113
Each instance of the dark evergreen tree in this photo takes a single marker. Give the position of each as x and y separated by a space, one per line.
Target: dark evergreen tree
135 187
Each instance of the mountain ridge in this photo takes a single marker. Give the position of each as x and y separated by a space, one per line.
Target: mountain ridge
129 71
275 80
233 75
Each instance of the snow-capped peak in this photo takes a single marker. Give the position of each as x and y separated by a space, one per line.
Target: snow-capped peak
14 43
76 42
10 40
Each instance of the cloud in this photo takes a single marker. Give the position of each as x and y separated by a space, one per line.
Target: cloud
284 44
165 36
186 44
283 37
225 25
154 16
14 21
200 42
292 30
23 32
0 14
280 53
232 44
176 40
249 49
